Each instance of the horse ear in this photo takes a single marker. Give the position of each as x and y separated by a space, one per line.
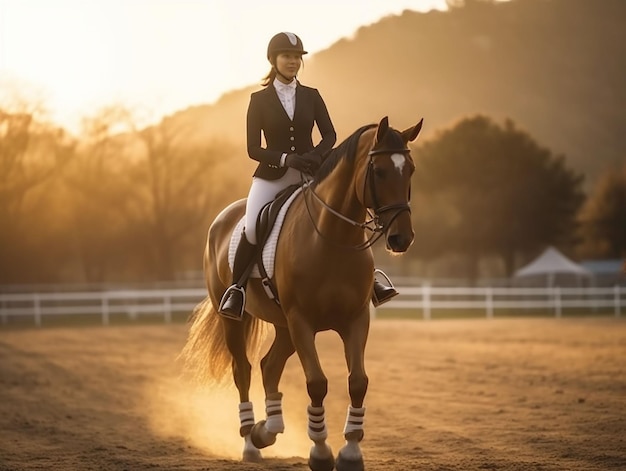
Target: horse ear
409 135
383 127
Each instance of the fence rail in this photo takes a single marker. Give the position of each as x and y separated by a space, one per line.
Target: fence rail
424 298
489 299
164 302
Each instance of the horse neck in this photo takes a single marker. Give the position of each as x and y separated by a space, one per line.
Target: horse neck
340 191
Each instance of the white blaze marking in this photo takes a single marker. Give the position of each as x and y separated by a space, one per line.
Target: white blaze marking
398 161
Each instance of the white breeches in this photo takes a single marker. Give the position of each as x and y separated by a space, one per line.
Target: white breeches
262 192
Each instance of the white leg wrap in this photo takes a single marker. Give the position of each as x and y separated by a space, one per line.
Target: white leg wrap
274 413
317 424
246 414
354 420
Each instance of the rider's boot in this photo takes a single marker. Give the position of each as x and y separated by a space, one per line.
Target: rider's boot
234 300
382 292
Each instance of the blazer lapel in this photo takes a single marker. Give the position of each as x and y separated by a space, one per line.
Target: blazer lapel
299 103
304 103
275 101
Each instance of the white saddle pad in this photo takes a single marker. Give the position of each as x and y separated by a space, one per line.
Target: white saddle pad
269 250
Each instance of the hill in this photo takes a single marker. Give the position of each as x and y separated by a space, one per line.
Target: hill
555 67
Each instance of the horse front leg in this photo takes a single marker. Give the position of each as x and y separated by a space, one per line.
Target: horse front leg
350 457
321 456
272 365
242 371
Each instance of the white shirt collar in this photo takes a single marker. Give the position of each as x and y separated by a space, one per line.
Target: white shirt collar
285 86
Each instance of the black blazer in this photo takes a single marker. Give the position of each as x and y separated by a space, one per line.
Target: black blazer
282 135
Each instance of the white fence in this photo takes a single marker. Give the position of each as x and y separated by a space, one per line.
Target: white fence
489 299
422 299
163 302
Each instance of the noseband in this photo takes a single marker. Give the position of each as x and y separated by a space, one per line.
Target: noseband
378 209
372 224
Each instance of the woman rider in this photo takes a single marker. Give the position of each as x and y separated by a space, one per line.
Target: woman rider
289 151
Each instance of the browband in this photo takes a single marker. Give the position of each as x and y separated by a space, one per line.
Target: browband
388 151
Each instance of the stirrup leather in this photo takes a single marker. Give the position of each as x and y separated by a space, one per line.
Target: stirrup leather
228 313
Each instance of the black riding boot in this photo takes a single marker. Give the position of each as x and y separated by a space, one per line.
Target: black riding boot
234 299
382 293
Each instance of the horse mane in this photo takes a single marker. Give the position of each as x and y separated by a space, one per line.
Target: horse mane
347 149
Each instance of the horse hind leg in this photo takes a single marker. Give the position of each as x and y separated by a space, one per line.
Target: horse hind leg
251 453
272 365
242 371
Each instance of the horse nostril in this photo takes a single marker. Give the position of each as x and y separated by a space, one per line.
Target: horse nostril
398 242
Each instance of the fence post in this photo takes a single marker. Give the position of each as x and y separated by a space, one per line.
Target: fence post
617 297
105 308
5 318
556 293
167 306
426 300
489 302
37 307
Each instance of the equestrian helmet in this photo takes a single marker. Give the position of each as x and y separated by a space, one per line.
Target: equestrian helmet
284 42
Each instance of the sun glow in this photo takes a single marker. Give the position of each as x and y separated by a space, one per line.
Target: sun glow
161 54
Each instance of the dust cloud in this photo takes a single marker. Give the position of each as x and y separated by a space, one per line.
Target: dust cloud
208 417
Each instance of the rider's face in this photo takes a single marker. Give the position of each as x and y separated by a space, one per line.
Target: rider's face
288 64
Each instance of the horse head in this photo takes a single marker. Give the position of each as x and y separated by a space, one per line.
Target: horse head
387 183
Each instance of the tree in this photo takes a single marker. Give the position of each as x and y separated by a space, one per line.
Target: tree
484 189
140 198
177 187
603 217
32 153
98 190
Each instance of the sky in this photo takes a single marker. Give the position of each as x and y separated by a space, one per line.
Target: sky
75 56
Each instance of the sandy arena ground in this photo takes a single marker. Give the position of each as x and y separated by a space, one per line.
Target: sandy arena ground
516 394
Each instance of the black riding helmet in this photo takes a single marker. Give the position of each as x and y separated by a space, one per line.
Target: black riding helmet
284 42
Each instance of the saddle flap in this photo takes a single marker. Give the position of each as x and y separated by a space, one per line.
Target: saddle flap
269 213
276 212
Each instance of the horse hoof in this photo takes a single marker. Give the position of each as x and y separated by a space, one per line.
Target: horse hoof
322 464
344 464
260 437
252 456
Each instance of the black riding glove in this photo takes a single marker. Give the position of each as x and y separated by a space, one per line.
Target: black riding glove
314 160
298 162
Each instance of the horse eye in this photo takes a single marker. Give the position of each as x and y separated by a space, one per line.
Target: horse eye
380 173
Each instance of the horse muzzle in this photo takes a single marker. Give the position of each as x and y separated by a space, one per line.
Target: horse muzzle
398 242
398 229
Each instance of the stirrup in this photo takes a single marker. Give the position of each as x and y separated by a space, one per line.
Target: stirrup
385 292
231 313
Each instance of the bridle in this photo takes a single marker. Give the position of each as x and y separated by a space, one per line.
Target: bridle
373 225
378 209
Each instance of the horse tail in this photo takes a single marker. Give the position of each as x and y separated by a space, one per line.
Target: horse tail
205 356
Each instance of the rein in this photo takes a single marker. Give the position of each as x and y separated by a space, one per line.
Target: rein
377 230
372 224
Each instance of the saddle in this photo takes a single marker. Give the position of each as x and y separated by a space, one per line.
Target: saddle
269 223
269 213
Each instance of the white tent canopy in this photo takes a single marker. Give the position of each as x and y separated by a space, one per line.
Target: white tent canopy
550 263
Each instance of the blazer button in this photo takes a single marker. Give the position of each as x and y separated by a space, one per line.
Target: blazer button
293 148
291 128
292 138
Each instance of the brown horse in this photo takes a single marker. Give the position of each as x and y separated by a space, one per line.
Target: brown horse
324 271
